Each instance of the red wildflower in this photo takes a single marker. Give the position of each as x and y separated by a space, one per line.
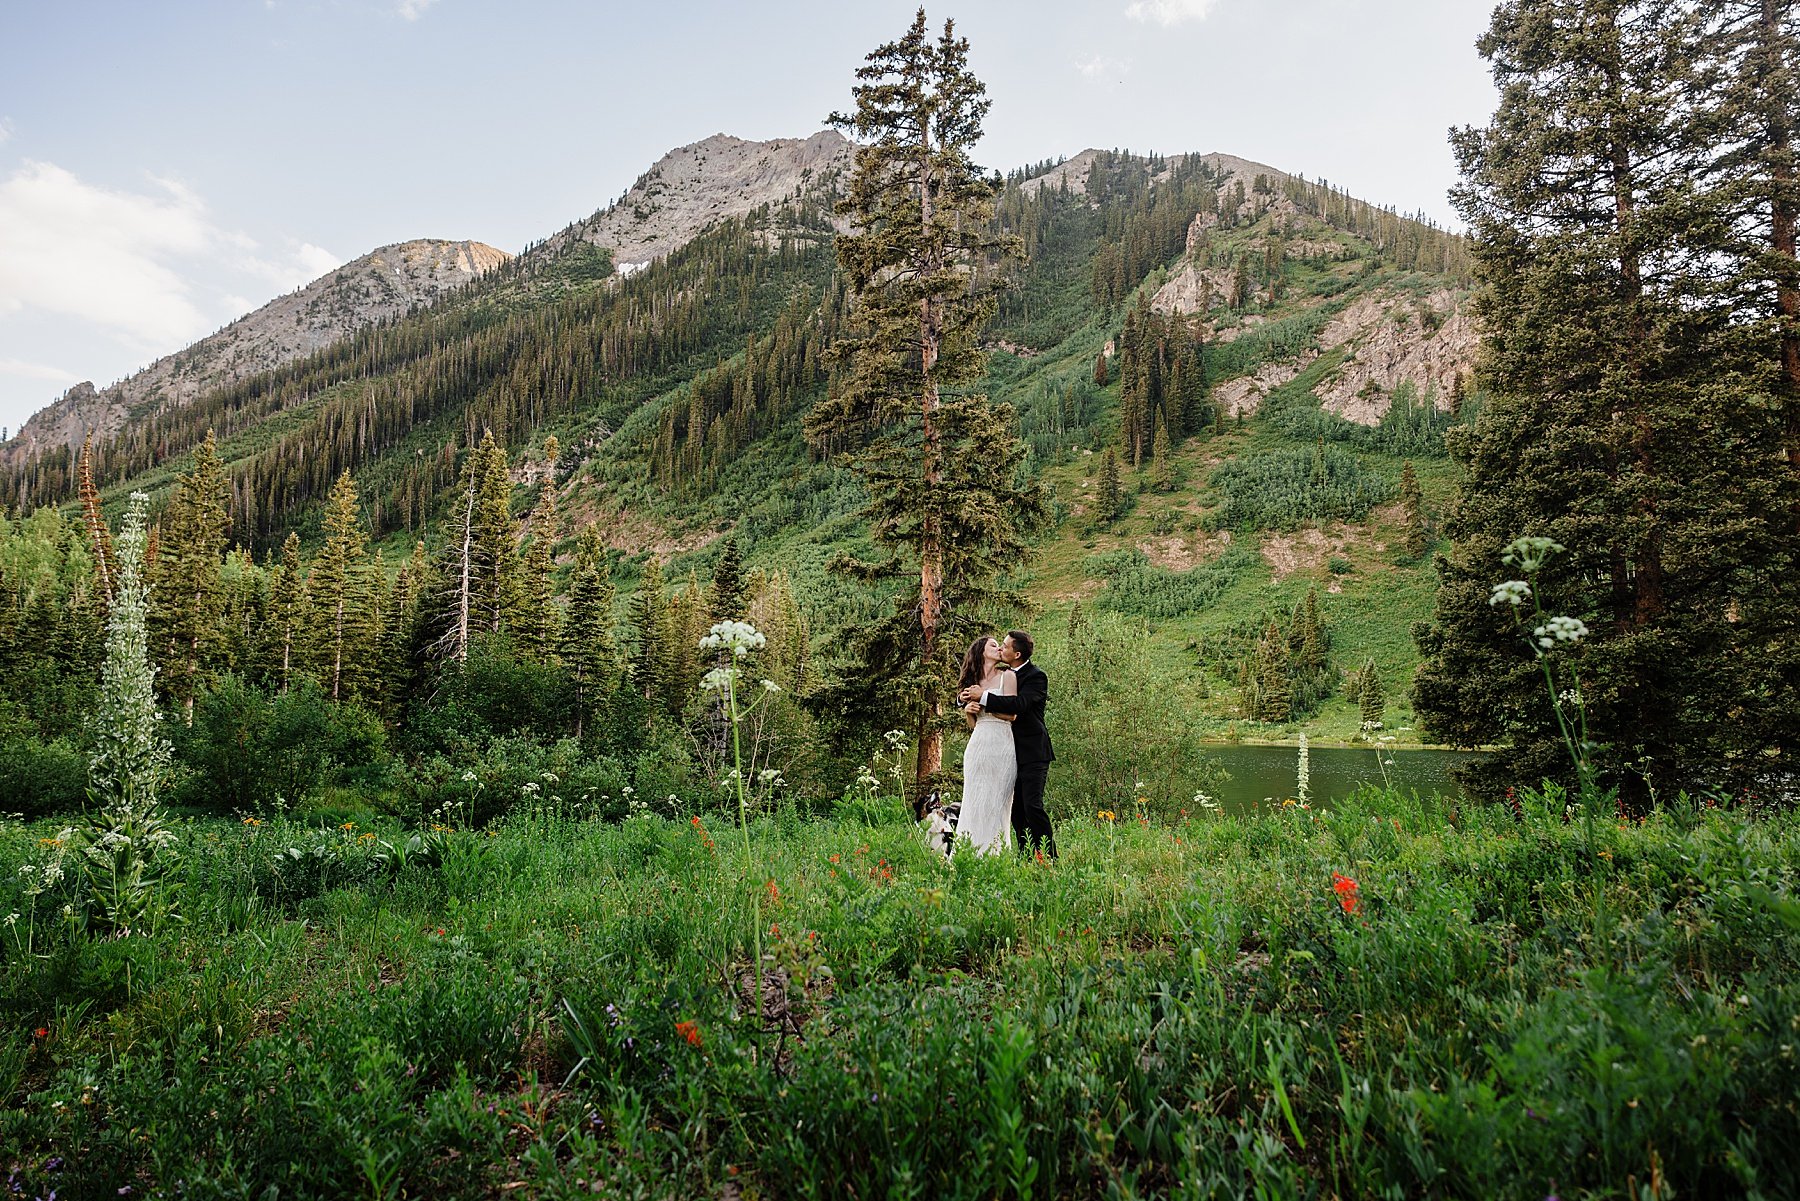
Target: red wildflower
774 893
1346 893
41 1032
689 1031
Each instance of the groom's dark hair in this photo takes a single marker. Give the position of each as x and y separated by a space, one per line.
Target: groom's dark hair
1021 641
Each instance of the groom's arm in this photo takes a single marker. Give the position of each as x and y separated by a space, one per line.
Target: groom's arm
1034 693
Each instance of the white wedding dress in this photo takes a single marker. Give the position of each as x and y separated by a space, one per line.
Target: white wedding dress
990 769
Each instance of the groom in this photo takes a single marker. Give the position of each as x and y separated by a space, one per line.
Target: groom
1031 741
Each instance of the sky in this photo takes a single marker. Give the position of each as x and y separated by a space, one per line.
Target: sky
168 167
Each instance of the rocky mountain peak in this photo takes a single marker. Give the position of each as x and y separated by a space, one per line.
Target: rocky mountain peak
384 283
695 185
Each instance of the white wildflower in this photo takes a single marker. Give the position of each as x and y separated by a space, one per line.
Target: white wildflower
1560 629
1529 554
738 637
1512 592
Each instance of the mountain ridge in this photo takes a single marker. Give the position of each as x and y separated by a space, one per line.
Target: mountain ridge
386 282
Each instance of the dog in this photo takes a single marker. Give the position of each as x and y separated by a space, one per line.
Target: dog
940 824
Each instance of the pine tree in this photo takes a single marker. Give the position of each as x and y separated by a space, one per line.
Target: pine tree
1162 471
590 652
1617 420
186 599
338 588
1100 370
286 613
1412 512
729 592
534 617
650 635
1108 498
1272 698
493 540
940 463
1371 697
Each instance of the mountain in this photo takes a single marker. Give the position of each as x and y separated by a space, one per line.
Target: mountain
382 284
693 186
1291 346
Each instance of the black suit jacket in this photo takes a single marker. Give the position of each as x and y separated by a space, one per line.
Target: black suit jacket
1031 741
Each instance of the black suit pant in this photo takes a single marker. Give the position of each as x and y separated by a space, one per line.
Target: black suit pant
1030 821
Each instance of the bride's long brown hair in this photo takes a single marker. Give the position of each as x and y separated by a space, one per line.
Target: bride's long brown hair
974 661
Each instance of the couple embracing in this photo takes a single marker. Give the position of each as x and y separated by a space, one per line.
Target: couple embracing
1008 758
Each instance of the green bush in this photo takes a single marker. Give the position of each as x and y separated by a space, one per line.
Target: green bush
1135 585
39 777
1279 490
250 752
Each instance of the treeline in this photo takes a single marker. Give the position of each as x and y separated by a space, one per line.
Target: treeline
1162 383
436 379
486 638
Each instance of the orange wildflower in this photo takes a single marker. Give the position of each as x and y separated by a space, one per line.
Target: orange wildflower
1347 895
689 1031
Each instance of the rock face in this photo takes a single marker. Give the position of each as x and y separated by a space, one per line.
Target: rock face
1427 343
693 186
384 283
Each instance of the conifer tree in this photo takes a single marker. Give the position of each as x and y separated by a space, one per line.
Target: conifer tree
729 592
650 635
590 651
940 463
1618 420
1272 696
1100 370
1162 470
1412 512
1371 697
493 545
338 587
187 602
286 613
1108 498
535 618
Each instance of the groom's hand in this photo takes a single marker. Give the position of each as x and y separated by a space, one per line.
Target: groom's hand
971 693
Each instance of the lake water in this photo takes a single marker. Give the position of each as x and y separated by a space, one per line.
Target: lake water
1264 773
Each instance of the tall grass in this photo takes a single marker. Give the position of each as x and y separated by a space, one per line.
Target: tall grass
1175 1008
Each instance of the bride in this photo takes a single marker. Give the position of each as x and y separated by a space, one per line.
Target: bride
990 765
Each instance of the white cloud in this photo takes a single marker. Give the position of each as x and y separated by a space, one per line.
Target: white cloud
412 10
6 130
20 369
1099 67
1169 12
132 264
70 248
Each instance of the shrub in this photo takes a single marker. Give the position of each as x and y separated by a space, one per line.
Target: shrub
38 777
1135 585
249 751
1282 489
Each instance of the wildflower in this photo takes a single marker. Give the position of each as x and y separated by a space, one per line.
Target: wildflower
41 1032
834 857
775 891
771 686
775 929
689 1031
1560 629
1512 592
738 637
49 842
1347 895
251 821
1528 554
719 679
348 826
1107 815
895 738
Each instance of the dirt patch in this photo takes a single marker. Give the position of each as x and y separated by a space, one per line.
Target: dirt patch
1309 549
1183 552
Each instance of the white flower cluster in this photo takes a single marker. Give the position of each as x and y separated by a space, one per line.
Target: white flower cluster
1512 592
1529 554
738 637
1560 629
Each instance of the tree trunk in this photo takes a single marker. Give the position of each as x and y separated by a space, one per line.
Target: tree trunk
931 746
462 608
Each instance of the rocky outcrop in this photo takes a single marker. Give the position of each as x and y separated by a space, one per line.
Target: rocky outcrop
691 187
381 284
1427 343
